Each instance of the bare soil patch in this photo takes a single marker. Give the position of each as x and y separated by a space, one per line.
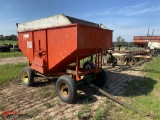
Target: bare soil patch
12 60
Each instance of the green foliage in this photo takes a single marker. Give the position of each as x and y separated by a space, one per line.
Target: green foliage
9 37
120 41
131 44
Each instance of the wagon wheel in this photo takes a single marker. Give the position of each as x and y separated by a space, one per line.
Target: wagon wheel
27 76
66 89
101 79
112 61
88 65
127 61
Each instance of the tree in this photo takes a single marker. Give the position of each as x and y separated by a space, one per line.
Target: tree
9 37
14 37
131 44
1 37
120 41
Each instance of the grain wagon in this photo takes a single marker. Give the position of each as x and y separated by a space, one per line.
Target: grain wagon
57 44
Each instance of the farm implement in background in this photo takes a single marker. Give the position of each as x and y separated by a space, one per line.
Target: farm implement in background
131 57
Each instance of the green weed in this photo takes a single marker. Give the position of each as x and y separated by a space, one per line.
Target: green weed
2 106
34 112
48 105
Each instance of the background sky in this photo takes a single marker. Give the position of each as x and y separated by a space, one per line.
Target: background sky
127 18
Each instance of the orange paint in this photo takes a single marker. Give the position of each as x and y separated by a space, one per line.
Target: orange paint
58 47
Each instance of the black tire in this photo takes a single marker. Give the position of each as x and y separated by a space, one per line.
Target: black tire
114 62
27 76
89 65
101 79
66 89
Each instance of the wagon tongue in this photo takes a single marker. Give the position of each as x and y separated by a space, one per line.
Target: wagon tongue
122 103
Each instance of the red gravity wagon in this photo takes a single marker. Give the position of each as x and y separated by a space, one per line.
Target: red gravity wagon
56 45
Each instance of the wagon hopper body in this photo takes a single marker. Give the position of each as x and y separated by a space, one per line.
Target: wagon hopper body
52 43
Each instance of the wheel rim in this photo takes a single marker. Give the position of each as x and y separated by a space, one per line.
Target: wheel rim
64 90
25 77
125 62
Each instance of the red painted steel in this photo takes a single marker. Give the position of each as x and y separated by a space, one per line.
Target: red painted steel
142 40
57 47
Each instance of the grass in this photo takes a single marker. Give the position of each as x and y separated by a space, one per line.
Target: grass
48 105
34 112
145 94
2 106
11 54
10 72
8 42
84 112
47 91
141 93
103 113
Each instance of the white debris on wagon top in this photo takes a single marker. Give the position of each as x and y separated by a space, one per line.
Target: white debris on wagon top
55 21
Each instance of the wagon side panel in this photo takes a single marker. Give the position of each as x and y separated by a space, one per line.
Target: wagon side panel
89 37
62 42
25 43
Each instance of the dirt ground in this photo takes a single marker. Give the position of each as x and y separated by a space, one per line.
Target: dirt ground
42 102
13 60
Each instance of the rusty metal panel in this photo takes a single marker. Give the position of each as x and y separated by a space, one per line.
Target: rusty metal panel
141 41
146 37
